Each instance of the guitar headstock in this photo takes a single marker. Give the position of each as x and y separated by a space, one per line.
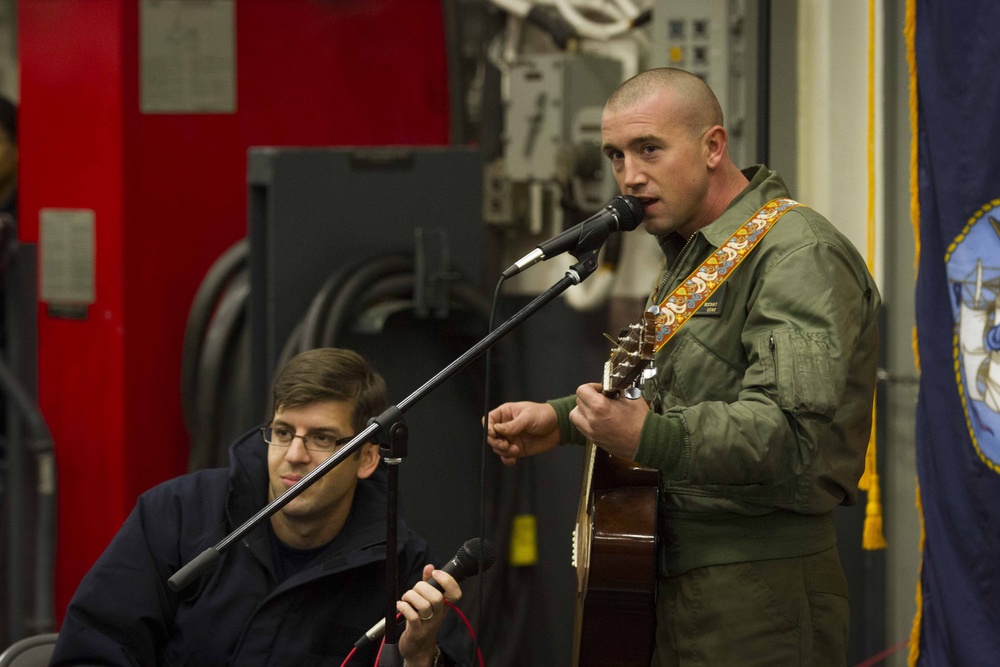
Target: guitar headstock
630 356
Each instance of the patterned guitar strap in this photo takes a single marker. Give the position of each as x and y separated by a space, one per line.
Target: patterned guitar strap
694 292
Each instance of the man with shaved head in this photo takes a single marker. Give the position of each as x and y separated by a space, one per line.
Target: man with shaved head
759 416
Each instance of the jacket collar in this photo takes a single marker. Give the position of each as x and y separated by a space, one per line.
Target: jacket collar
764 186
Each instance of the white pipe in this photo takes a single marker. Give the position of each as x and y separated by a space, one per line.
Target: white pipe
593 292
624 50
518 8
587 28
512 42
629 9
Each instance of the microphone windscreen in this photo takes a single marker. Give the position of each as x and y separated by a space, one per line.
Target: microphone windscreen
474 556
630 212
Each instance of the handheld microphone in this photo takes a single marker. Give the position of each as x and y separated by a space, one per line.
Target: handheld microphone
473 557
623 214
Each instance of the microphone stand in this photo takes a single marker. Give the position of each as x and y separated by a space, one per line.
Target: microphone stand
393 444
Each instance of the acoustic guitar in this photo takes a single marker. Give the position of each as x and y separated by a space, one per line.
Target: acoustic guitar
614 543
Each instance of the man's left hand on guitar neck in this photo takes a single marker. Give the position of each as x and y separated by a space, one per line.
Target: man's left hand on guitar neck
615 425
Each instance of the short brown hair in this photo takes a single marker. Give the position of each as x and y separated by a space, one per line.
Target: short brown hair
701 106
331 374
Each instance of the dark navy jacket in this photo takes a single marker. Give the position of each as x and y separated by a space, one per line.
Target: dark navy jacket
123 613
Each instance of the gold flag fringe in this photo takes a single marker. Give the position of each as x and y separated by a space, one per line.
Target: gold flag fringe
910 32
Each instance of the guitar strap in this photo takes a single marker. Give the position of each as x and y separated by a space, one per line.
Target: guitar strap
694 292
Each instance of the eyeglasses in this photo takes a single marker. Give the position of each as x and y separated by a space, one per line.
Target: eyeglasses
282 436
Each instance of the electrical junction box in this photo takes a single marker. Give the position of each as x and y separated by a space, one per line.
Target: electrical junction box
553 120
713 39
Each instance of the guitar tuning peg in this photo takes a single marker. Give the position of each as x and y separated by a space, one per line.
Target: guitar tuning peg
655 310
633 392
648 373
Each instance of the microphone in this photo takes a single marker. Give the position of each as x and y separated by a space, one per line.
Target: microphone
474 556
623 214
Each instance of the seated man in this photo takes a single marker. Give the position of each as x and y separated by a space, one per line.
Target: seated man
298 590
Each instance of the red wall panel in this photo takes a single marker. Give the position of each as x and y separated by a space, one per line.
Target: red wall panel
72 157
169 193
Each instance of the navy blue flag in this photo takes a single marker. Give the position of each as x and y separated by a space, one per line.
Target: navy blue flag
957 48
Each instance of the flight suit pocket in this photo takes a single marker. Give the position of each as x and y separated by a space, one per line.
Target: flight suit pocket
800 373
700 375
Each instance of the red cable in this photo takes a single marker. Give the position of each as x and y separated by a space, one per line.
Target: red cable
468 626
879 657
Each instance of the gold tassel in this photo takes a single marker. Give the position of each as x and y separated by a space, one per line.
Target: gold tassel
865 482
873 537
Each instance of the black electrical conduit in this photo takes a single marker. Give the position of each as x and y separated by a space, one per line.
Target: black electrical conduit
307 334
37 441
220 274
227 328
342 307
40 445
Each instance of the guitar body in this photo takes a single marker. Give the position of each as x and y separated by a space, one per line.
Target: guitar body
615 543
616 563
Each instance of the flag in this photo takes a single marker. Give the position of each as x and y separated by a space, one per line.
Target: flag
956 48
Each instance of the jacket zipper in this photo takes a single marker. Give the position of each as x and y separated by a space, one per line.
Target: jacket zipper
673 270
261 559
774 356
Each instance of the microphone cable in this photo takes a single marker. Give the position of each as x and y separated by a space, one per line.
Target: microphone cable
487 400
506 596
465 622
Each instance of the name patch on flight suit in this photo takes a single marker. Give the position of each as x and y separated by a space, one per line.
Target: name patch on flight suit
713 307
